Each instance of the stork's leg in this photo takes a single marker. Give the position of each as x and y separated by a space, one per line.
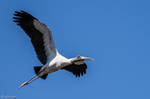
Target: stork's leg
27 82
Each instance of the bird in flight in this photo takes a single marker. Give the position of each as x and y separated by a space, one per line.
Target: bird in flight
42 41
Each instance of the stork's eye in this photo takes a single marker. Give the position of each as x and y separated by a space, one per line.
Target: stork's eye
78 56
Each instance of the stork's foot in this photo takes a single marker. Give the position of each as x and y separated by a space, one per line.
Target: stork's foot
25 83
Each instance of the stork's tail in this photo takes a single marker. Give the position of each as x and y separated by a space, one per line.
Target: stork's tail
37 69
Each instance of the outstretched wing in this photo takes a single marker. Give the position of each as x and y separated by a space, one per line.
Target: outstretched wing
41 36
76 69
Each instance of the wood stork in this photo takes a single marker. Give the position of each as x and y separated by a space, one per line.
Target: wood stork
41 38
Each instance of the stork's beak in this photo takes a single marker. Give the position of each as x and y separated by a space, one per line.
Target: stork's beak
25 83
88 58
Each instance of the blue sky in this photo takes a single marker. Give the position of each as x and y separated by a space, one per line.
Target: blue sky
116 33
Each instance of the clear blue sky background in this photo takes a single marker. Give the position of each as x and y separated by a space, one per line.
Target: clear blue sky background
116 33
